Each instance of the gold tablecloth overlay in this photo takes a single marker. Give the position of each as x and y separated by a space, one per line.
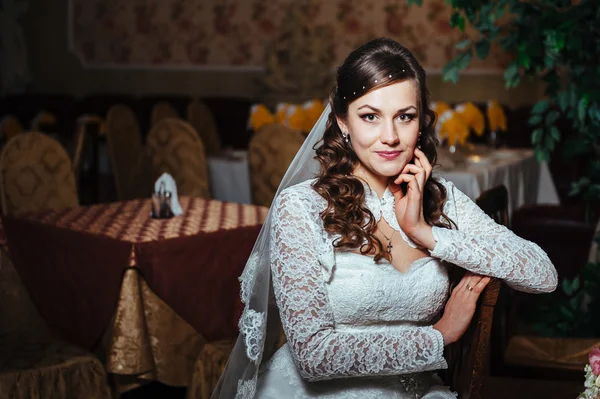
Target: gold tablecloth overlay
146 340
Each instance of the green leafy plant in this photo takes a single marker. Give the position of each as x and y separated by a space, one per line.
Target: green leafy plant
557 42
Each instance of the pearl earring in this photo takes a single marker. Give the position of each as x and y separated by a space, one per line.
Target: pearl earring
345 136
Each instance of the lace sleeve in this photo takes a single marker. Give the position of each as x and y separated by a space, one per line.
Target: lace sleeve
319 350
485 247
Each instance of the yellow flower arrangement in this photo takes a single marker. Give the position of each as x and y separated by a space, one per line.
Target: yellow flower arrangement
294 117
439 107
281 112
312 112
260 116
496 116
452 127
472 116
301 117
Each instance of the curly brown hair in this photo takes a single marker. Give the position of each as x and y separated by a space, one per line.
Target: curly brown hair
378 63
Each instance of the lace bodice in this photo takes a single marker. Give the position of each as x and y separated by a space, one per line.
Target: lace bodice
344 315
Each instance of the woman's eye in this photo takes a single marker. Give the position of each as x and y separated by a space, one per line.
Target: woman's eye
406 117
369 117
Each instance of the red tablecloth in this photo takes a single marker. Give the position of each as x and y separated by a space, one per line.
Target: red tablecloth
71 262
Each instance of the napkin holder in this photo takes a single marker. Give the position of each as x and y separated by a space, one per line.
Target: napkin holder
161 203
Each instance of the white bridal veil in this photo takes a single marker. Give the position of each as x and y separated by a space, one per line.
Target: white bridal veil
260 323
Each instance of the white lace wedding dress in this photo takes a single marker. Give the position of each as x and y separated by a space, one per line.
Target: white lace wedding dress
360 329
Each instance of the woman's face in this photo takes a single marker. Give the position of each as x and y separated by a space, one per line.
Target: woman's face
383 126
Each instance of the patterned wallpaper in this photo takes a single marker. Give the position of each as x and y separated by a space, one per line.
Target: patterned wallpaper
236 33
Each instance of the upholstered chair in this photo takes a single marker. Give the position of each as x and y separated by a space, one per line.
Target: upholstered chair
202 120
163 110
36 174
129 160
271 151
175 148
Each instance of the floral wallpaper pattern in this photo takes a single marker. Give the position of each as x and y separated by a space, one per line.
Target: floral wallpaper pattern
235 33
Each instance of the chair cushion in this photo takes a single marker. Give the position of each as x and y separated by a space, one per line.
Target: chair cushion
23 352
31 368
209 366
543 352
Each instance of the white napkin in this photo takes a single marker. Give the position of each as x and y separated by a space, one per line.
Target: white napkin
166 183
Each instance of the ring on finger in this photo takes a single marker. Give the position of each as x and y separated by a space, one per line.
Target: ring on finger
470 288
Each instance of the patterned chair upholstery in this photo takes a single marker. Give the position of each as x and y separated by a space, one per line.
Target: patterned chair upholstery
175 148
209 366
129 160
163 110
270 152
202 120
33 365
36 174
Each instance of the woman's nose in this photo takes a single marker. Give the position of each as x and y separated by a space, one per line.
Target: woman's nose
389 135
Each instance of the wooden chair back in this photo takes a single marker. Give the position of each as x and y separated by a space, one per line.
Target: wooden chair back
494 202
468 358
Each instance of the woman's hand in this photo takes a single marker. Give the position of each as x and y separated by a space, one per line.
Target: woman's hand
409 205
460 308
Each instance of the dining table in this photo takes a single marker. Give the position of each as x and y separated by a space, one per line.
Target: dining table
480 168
144 294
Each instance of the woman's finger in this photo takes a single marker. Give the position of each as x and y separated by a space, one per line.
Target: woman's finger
404 178
413 190
417 162
411 167
481 285
472 283
418 172
468 280
424 161
461 284
396 190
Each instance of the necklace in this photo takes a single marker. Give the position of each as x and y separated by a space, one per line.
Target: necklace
389 240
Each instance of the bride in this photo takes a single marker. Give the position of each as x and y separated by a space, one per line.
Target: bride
353 256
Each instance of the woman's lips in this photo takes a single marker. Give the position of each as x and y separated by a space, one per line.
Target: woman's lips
388 155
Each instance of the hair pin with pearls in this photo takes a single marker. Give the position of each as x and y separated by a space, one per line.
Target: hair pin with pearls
376 81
